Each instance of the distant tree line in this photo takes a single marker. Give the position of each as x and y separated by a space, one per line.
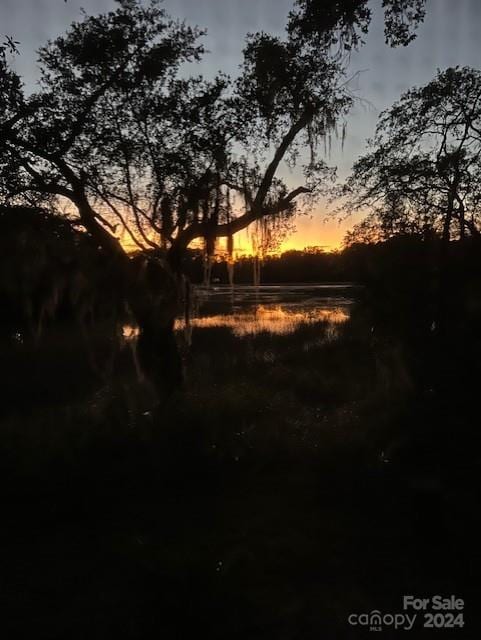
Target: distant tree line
404 257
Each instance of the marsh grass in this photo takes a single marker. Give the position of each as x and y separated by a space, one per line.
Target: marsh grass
292 482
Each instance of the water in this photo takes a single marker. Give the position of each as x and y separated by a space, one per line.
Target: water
278 309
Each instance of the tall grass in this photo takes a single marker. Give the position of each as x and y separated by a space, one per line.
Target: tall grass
290 483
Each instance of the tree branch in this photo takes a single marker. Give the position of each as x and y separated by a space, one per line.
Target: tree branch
199 229
79 123
281 151
120 217
45 187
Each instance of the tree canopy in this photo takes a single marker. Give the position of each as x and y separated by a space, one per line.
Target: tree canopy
422 173
128 141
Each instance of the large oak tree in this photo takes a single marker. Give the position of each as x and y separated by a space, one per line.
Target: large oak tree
125 135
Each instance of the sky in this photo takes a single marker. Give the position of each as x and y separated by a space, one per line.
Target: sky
449 36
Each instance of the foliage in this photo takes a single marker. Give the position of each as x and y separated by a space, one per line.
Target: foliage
120 132
422 173
345 23
51 275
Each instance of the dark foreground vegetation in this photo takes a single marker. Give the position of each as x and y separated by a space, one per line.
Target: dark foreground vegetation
263 487
294 480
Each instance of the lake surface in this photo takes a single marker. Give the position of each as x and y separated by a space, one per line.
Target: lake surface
279 309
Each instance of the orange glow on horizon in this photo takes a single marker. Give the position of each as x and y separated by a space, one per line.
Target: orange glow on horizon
310 232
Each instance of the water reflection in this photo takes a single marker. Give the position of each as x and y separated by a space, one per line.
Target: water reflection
273 309
276 319
130 332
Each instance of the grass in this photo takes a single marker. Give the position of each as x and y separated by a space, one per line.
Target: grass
295 480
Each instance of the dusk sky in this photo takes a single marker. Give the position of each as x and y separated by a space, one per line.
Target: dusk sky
448 37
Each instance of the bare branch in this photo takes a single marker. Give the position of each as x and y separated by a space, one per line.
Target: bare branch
288 139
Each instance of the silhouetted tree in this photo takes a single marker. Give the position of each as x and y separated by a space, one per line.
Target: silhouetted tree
423 172
130 143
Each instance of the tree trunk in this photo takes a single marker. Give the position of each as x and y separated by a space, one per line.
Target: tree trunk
442 311
159 356
153 297
447 222
151 292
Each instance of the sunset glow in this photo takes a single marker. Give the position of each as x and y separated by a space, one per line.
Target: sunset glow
310 232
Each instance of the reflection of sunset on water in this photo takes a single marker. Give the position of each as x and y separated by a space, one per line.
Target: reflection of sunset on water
130 332
276 319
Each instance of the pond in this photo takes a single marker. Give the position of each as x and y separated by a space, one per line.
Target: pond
278 309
